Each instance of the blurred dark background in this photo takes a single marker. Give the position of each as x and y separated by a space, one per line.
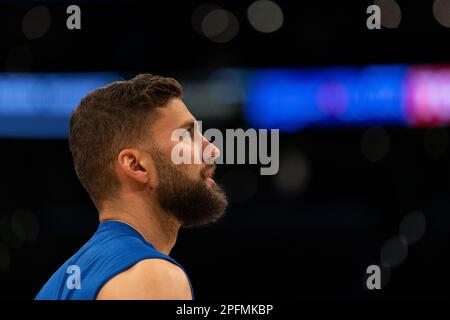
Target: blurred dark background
343 194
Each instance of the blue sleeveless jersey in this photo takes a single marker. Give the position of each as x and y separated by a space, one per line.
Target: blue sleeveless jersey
113 248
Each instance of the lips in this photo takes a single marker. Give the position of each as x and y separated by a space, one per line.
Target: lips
210 182
208 175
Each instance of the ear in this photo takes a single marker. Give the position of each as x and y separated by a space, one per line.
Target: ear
135 164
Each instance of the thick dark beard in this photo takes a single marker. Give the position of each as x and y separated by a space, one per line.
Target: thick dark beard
190 201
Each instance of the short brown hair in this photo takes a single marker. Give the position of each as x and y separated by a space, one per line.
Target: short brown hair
109 120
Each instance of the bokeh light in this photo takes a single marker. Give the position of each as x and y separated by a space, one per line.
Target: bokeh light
220 26
391 13
199 14
394 251
7 233
24 225
413 227
375 144
441 11
36 22
294 173
265 16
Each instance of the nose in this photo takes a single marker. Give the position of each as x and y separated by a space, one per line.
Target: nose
210 151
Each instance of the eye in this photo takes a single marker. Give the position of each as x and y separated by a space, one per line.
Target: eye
187 133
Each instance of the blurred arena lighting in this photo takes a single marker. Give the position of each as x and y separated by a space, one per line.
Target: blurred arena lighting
240 184
19 59
294 173
265 16
36 22
441 11
39 105
427 95
24 225
227 86
220 25
413 227
394 251
219 96
5 258
391 14
375 144
291 99
436 142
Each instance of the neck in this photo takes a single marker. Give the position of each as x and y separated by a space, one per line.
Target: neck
158 228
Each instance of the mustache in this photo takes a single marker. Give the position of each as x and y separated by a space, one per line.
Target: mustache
208 171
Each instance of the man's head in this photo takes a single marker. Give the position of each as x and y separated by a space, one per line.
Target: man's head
120 139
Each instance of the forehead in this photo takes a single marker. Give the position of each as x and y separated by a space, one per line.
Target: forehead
173 115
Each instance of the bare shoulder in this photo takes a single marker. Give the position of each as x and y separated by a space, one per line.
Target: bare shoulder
156 279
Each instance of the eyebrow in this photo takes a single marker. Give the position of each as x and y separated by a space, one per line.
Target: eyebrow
187 124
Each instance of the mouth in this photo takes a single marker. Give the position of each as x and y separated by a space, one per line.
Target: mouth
208 175
210 182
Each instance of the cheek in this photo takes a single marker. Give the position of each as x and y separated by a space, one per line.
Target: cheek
189 152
